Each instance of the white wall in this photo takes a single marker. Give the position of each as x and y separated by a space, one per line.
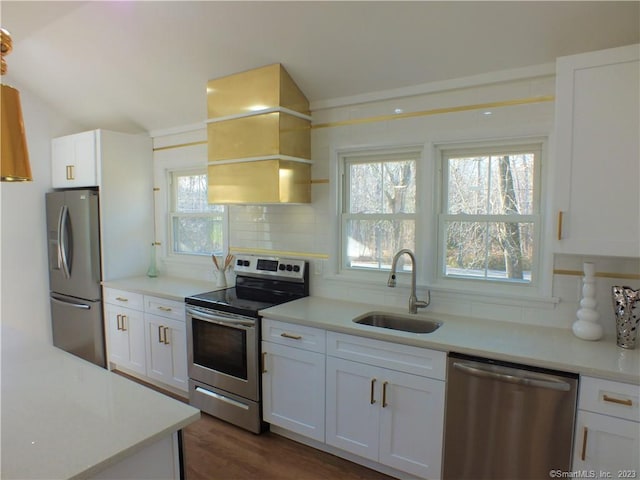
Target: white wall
310 230
24 281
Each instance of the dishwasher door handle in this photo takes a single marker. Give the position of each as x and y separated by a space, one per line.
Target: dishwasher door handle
503 377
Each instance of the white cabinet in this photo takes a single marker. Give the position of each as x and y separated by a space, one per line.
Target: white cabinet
166 342
147 336
120 166
597 165
74 161
394 417
125 329
607 428
293 378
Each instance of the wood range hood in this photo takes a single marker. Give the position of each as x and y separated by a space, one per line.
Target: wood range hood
258 138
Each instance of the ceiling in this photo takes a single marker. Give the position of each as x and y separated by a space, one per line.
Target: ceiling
143 66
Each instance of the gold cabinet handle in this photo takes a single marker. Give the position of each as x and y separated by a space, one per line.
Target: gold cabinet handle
373 383
164 309
118 321
160 330
70 173
583 454
560 217
166 335
264 362
124 324
619 401
291 335
384 394
122 299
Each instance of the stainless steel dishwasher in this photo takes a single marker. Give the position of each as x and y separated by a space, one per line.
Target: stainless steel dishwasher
507 421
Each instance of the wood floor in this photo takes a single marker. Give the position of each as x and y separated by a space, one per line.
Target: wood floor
217 450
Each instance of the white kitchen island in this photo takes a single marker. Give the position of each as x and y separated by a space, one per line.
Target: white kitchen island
63 417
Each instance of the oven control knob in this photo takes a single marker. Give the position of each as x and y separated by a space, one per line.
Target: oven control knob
289 268
296 268
239 262
281 266
245 263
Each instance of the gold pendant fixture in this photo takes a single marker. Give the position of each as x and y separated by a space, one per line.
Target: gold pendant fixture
15 156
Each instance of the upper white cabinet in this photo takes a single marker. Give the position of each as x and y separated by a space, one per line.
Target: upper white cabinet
597 164
74 161
120 165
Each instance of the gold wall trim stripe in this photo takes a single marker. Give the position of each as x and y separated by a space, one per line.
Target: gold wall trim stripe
181 145
438 111
578 273
278 253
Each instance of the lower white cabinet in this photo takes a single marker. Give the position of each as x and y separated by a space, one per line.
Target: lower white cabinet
293 378
166 347
607 435
387 416
147 336
125 329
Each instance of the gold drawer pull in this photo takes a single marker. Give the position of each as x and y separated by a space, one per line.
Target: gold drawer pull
164 309
291 335
166 336
160 331
124 324
384 394
560 215
583 454
70 173
122 299
373 382
119 321
619 401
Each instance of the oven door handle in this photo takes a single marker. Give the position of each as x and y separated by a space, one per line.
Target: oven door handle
239 324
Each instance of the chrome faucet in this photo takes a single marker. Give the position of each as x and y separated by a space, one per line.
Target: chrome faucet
414 303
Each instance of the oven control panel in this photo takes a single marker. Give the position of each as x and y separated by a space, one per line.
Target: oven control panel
290 268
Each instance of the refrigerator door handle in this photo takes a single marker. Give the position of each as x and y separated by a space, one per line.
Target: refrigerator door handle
63 261
70 304
515 379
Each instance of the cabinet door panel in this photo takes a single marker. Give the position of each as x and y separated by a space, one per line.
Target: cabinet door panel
292 388
411 423
166 351
126 338
352 420
611 444
74 161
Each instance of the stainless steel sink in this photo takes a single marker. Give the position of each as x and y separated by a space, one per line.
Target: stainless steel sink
405 323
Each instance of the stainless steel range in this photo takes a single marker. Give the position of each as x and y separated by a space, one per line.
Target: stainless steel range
223 336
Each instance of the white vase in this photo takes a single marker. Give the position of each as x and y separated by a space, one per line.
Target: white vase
586 326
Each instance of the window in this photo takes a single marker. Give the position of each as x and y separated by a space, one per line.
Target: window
489 222
378 215
196 227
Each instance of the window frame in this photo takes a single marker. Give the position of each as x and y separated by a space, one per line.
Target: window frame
172 214
536 146
371 155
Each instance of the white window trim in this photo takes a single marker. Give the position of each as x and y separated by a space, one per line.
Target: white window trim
336 270
540 288
192 157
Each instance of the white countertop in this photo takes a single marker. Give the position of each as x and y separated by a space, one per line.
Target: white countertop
63 417
172 288
545 347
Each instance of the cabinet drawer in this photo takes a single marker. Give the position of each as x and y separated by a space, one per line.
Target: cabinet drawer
124 298
404 358
299 336
164 307
611 398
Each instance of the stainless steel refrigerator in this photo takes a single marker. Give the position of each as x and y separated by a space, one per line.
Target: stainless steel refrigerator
73 230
